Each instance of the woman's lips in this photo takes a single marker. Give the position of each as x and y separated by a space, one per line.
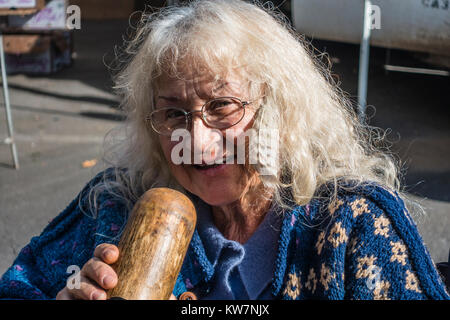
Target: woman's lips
206 167
210 170
215 168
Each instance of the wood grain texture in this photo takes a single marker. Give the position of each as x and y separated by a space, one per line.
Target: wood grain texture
153 245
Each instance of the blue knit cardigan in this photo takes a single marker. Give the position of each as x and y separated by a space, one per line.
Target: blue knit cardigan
362 246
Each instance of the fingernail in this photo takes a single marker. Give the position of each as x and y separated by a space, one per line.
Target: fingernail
108 254
98 295
108 281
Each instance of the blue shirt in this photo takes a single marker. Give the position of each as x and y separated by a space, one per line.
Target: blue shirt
240 271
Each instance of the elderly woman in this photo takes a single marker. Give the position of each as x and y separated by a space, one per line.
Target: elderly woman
224 103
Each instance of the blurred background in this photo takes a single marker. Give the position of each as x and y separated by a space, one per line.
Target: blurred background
62 103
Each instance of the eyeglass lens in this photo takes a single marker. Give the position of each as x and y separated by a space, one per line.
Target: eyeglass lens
218 113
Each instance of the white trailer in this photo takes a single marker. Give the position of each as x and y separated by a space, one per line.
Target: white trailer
416 25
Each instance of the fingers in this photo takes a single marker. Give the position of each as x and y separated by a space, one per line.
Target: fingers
100 273
87 291
64 294
96 276
109 253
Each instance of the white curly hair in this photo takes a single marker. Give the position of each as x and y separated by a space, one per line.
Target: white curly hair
320 137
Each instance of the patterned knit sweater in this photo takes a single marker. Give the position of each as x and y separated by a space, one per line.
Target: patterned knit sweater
362 246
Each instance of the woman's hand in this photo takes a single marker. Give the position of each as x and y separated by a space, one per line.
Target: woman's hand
97 276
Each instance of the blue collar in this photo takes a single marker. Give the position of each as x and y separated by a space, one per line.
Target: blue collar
258 266
198 267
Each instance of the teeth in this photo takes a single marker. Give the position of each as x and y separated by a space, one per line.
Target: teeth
229 159
224 160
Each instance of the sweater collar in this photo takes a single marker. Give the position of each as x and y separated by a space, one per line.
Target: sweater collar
197 267
261 255
260 252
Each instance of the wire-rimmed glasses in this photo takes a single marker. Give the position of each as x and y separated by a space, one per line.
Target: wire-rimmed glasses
218 113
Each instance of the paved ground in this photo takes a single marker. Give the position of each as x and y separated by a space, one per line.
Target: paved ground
60 121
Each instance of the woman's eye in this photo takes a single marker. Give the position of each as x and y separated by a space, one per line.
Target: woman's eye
173 113
219 104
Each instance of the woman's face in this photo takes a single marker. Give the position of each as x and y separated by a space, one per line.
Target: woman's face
216 185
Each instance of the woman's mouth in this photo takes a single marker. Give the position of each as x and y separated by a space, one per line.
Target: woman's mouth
210 170
215 168
207 167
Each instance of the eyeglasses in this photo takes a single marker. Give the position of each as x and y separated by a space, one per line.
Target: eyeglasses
218 113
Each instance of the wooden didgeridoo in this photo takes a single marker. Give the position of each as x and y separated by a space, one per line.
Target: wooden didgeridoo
153 245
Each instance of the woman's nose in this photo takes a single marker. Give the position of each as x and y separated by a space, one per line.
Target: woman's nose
207 142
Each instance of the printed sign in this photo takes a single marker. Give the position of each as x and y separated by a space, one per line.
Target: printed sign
52 16
6 4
